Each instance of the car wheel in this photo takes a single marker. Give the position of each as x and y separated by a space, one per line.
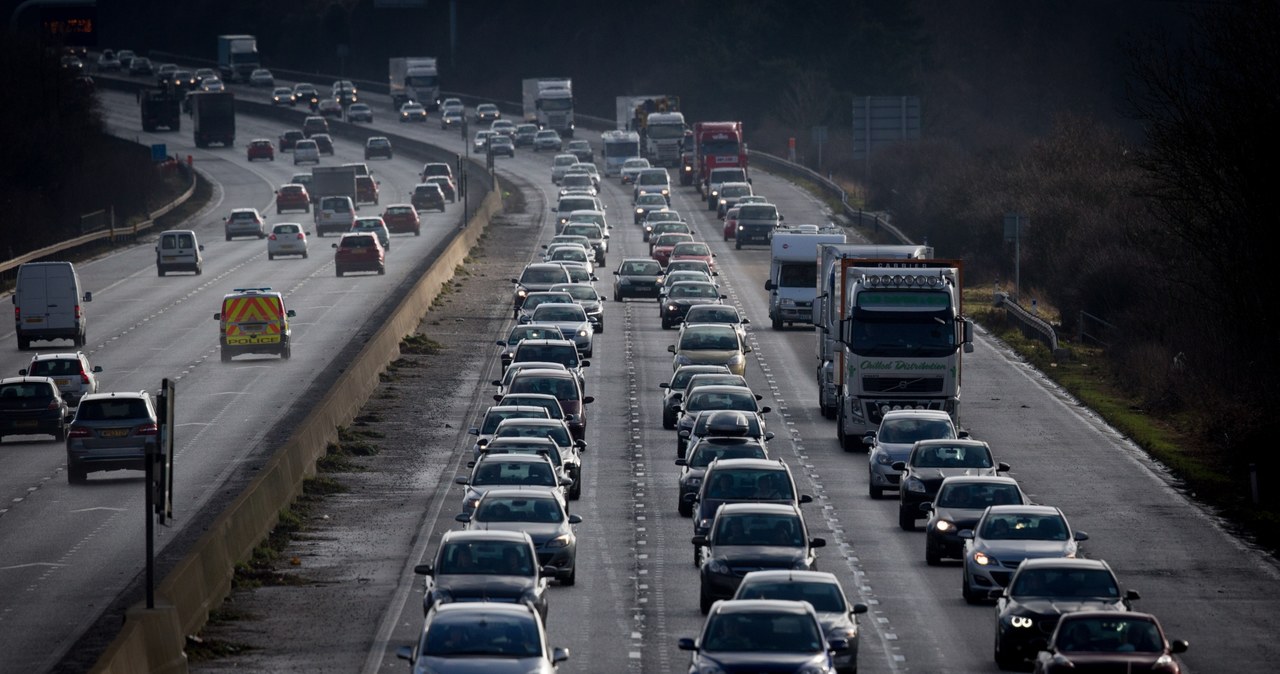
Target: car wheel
279 211
571 578
1004 662
159 271
228 237
339 273
304 254
24 343
382 271
697 556
685 509
270 256
704 600
875 492
60 434
737 245
932 558
600 330
617 297
777 323
76 475
668 420
828 412
906 519
286 352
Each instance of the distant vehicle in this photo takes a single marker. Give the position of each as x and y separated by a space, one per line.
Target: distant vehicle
111 431
502 144
377 146
359 252
287 238
283 96
547 139
428 195
413 112
140 65
261 148
487 112
238 57
330 107
360 112
179 250
262 78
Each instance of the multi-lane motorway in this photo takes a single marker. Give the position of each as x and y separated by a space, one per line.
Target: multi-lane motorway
69 551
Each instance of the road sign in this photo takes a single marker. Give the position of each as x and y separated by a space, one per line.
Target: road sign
879 121
159 152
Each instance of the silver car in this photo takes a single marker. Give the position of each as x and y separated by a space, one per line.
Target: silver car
244 222
510 471
286 238
542 515
560 165
111 431
898 431
69 371
1008 535
572 321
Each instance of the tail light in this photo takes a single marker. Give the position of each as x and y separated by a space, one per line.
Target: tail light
53 405
77 312
79 432
148 429
17 314
84 377
272 237
301 236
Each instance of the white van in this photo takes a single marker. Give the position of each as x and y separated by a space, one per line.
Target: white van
178 250
47 303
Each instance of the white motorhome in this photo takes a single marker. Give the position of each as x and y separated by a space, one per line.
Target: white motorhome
46 303
793 271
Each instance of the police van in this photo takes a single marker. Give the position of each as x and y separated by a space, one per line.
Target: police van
253 320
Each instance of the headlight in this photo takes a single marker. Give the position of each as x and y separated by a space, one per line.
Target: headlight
582 333
717 565
521 292
666 192
715 193
682 359
648 228
786 302
639 211
740 228
694 481
983 559
1021 622
944 526
470 503
723 202
671 307
560 541
884 459
915 485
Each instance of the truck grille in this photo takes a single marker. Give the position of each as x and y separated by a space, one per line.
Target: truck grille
877 384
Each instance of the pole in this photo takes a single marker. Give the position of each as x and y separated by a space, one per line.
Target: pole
1017 257
148 511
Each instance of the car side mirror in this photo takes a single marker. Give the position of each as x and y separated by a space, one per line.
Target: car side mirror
759 397
1132 595
1179 646
559 655
1081 536
474 430
671 348
497 398
575 519
461 479
687 644
500 343
768 435
405 653
746 348
333 245
766 409
566 481
805 498
899 466
768 285
682 462
88 297
685 433
966 534
724 297
217 317
745 321
963 435
290 313
859 609
462 517
617 273
424 570
665 384
817 542
699 540
1002 467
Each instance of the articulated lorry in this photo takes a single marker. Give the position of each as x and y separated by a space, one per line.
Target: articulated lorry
793 271
548 102
414 78
213 116
717 145
831 260
161 108
902 332
658 120
237 57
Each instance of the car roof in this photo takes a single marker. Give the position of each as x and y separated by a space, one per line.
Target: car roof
708 326
546 372
546 342
522 440
107 395
954 442
513 492
760 508
916 414
533 422
485 534
28 380
979 479
483 607
754 464
762 606
1015 509
57 356
1064 563
512 408
513 458
776 575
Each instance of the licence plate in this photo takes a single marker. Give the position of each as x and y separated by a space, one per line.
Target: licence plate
113 432
25 424
62 382
35 319
169 258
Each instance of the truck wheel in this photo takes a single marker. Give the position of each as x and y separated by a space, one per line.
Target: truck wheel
270 256
737 245
23 343
777 323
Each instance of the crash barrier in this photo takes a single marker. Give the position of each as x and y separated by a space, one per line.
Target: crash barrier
1031 325
8 268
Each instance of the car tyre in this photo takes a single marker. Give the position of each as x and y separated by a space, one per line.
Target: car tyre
1004 662
286 352
382 271
76 474
226 356
270 256
668 420
685 509
159 271
60 433
906 520
339 271
875 492
705 601
737 245
932 558
571 578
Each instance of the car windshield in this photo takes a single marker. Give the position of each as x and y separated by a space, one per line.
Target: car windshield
906 430
358 242
716 379
952 456
55 366
1065 583
825 597
563 388
495 417
757 212
707 340
557 433
1023 527
503 636
641 268
745 484
551 405
760 632
694 290
571 254
543 275
520 509
698 249
699 266
565 354
651 199
565 160
579 204
522 332
487 558
682 376
518 446
589 231
716 400
706 452
759 529
112 409
581 292
1109 635
535 300
495 472
712 315
671 238
559 312
399 210
647 178
978 496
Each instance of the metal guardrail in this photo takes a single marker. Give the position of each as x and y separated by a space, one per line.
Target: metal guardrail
1031 325
111 232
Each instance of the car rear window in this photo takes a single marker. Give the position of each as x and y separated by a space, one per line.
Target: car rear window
357 242
112 410
26 390
55 367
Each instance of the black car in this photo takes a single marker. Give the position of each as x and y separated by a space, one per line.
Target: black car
485 566
637 277
740 481
958 505
32 406
324 143
675 390
762 635
427 195
378 146
931 462
749 537
290 138
839 618
702 453
1027 610
680 296
709 398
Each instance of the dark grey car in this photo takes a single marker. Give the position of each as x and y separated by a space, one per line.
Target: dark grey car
111 431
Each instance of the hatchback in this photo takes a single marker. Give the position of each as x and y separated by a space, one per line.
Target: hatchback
378 146
306 152
314 124
261 148
70 372
547 139
427 195
111 431
292 197
244 222
286 238
32 406
359 251
402 219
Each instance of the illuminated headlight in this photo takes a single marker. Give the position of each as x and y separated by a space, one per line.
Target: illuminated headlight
639 211
688 169
522 292
648 228
915 485
724 202
470 503
560 541
983 559
666 192
717 566
1021 622
404 114
715 193
944 526
741 228
671 307
583 333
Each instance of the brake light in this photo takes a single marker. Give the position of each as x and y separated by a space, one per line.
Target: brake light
76 432
77 312
84 377
53 405
148 429
300 236
272 237
17 315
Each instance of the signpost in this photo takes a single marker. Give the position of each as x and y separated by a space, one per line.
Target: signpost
1013 224
879 121
159 480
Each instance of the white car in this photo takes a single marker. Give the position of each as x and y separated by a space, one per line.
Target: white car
306 151
632 167
560 165
262 78
450 117
547 139
413 112
287 238
212 84
360 112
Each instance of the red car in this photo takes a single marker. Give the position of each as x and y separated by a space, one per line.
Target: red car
402 218
731 224
292 197
261 148
359 251
692 250
665 243
366 190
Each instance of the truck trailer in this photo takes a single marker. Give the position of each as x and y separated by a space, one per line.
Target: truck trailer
213 116
827 313
902 333
793 271
414 78
161 108
237 57
548 102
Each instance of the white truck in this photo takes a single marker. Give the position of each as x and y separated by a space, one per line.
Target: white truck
793 271
619 146
831 260
664 138
902 332
548 102
333 181
414 78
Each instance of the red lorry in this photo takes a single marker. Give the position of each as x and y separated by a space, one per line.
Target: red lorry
717 145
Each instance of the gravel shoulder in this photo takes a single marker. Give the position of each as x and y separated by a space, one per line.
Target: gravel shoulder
317 604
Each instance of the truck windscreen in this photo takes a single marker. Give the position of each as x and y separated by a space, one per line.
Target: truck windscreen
557 104
627 150
923 334
665 131
720 147
422 80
